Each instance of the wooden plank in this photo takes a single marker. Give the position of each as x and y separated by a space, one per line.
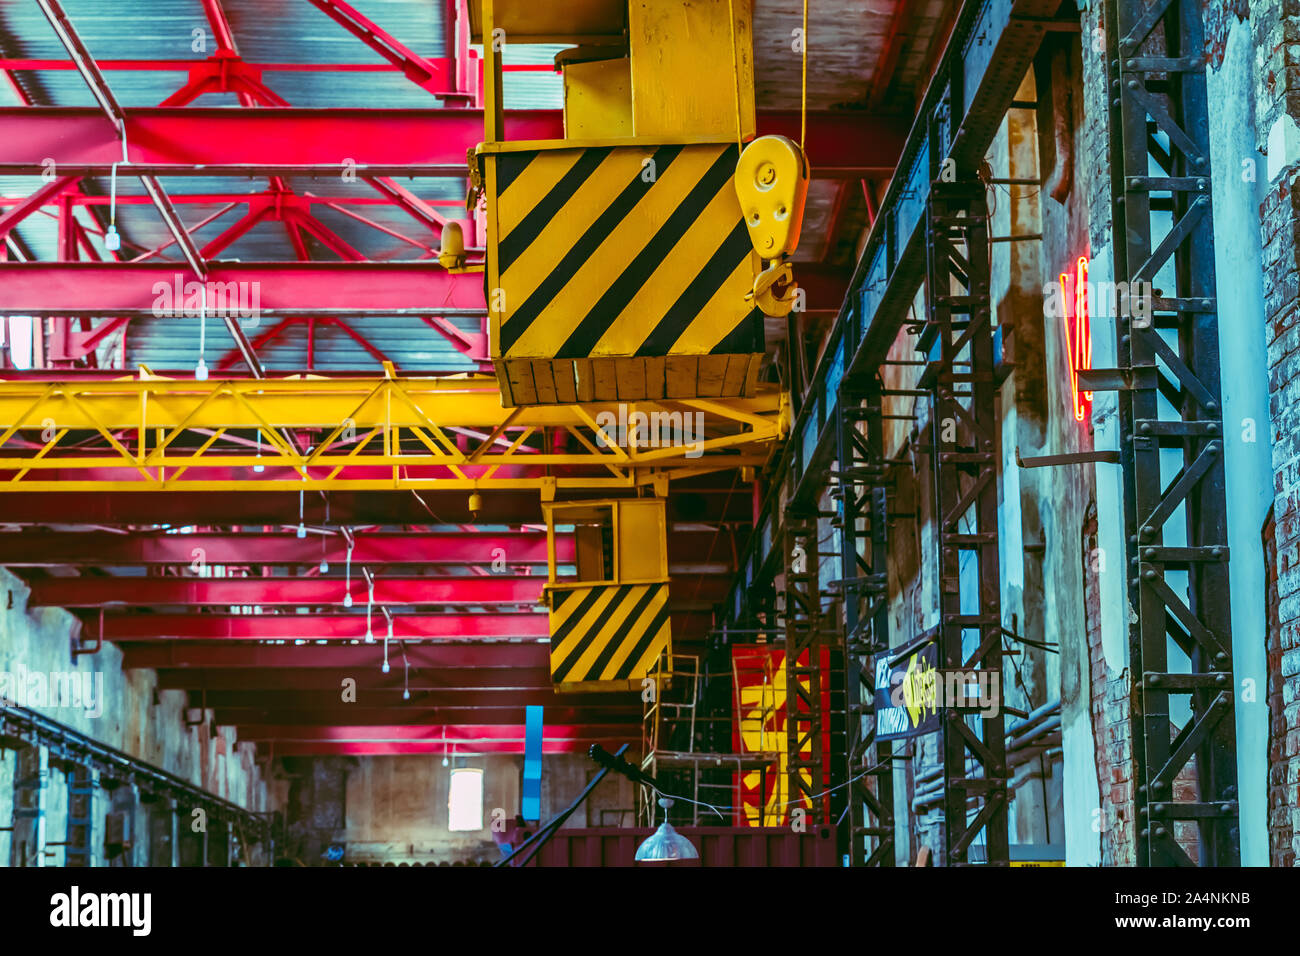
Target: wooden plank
733 379
630 373
681 376
654 377
544 382
566 390
604 380
712 370
586 380
521 382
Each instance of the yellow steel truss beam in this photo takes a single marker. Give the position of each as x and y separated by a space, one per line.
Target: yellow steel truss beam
152 434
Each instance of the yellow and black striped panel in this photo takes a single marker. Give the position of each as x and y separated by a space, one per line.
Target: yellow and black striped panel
607 637
622 273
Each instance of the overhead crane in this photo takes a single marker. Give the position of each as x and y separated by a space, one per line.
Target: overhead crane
629 266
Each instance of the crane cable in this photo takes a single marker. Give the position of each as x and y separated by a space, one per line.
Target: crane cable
803 103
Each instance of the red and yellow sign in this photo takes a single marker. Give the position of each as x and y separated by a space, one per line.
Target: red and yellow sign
1078 333
759 727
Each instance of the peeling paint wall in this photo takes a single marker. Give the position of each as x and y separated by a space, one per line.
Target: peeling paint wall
135 717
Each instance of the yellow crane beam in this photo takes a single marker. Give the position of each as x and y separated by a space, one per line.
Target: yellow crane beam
152 434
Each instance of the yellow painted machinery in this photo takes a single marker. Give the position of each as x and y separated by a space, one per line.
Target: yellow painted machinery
609 614
635 259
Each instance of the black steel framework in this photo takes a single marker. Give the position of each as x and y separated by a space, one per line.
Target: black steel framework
1171 429
958 342
863 522
804 624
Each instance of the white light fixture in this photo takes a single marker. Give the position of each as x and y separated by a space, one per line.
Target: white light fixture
666 845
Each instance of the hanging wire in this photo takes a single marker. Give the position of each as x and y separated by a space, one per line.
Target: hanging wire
370 606
803 108
347 577
406 675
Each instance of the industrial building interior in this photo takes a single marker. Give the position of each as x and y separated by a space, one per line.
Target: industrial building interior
823 433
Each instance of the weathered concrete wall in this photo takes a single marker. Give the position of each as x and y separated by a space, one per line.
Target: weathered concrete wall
1276 28
394 810
126 712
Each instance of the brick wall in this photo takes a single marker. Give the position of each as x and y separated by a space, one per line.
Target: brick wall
1279 90
1281 799
1110 722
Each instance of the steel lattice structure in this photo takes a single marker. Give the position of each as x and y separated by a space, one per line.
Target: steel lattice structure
291 434
964 425
1170 408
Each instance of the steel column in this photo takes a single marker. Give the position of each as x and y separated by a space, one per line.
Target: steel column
965 466
804 628
864 519
1175 509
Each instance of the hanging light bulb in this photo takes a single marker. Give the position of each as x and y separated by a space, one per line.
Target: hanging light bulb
387 637
370 606
113 241
406 677
259 468
201 370
347 578
302 527
666 845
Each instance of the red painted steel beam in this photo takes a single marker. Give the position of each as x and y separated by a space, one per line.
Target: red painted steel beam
207 141
105 549
283 591
406 748
467 701
305 627
455 734
470 590
478 655
690 501
428 74
51 192
357 714
367 678
319 288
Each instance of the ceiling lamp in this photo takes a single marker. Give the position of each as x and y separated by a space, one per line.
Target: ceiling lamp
666 845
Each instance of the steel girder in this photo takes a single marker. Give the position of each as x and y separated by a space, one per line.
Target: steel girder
167 435
861 485
965 447
289 141
804 623
440 656
701 552
289 626
459 590
1175 512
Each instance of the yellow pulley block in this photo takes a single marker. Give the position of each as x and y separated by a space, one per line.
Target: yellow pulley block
772 185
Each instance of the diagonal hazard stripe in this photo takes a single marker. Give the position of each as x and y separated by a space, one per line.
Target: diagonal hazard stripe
582 250
616 641
523 235
632 664
622 290
735 249
509 166
745 338
572 620
559 673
